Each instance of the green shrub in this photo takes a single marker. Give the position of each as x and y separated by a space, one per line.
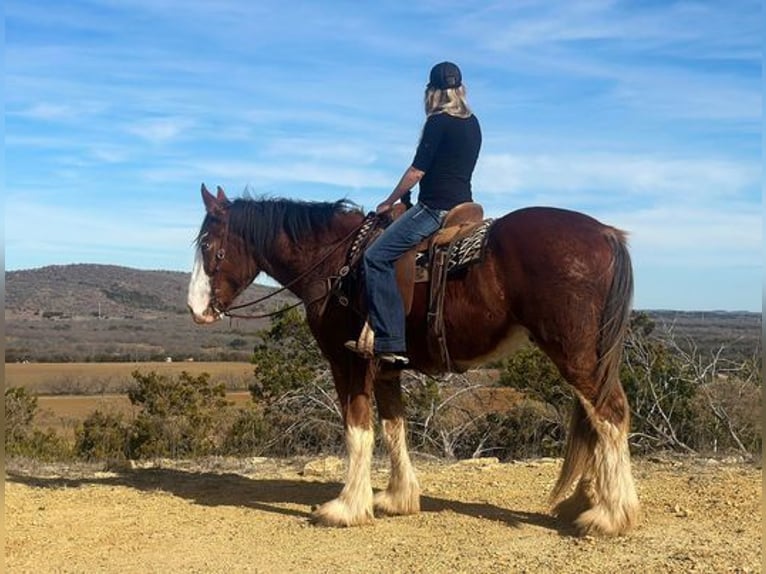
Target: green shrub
42 445
287 359
103 436
248 435
660 386
295 390
21 439
679 399
530 429
180 417
536 426
20 408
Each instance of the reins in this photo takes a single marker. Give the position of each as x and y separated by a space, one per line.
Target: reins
341 273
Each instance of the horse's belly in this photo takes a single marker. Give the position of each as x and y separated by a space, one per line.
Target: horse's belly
516 338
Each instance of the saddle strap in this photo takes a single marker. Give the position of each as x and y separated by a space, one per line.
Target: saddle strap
437 336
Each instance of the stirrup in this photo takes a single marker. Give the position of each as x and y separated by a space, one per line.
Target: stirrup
393 359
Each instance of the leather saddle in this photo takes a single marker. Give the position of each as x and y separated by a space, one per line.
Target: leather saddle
459 222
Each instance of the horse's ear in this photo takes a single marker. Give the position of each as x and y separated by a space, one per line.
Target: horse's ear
211 203
221 195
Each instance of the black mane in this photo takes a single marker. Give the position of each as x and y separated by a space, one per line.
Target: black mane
260 221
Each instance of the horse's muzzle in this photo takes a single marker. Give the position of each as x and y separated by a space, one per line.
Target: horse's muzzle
208 316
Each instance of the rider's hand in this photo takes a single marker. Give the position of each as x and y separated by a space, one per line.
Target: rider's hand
384 208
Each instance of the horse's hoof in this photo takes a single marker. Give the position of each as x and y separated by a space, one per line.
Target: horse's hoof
597 520
338 514
393 505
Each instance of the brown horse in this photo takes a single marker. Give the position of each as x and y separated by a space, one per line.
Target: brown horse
558 278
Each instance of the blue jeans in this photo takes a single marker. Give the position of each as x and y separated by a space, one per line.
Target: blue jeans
383 298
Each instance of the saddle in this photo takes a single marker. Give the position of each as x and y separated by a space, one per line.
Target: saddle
461 222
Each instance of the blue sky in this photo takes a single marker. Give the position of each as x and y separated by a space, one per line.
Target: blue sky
646 115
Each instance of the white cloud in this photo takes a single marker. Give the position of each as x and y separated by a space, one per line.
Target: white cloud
47 111
291 171
159 131
694 235
640 177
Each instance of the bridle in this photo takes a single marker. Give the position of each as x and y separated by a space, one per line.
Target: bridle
220 257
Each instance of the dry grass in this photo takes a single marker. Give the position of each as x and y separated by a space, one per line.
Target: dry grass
110 378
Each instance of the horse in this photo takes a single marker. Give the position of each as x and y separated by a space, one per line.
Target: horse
556 278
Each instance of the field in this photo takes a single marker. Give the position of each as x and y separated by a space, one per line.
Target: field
111 378
69 392
252 515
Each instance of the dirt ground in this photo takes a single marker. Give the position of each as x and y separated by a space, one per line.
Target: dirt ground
252 515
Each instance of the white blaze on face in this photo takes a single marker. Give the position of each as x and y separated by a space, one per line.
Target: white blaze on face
199 287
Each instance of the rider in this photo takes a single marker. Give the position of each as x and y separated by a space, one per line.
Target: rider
444 162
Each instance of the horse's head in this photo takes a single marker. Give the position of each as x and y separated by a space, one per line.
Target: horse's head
222 266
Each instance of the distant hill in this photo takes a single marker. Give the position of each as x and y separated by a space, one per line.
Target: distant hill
90 290
106 312
89 312
738 332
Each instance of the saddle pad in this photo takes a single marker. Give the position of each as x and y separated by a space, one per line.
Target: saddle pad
465 251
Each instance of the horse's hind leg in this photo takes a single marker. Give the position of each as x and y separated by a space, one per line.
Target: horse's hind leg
402 496
604 500
353 506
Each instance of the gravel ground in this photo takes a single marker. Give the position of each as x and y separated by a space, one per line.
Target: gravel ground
251 515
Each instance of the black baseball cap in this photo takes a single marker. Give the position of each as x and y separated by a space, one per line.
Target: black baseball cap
445 75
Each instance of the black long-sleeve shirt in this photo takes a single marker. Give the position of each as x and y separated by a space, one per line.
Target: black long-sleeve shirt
447 153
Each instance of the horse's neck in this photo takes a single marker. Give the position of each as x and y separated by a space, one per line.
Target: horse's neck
303 266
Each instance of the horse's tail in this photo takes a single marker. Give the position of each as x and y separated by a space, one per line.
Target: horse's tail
615 318
610 404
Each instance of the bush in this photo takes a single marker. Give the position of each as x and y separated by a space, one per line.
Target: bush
685 400
660 389
530 429
288 358
248 434
679 399
536 426
294 388
304 422
103 436
20 408
179 417
728 415
21 439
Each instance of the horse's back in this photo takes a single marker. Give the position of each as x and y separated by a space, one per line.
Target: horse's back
548 221
559 240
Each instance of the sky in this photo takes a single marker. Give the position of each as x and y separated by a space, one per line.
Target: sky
644 114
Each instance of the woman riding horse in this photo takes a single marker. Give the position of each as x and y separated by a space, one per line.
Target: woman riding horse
443 164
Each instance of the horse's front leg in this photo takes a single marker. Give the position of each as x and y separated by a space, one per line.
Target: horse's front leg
402 496
353 382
